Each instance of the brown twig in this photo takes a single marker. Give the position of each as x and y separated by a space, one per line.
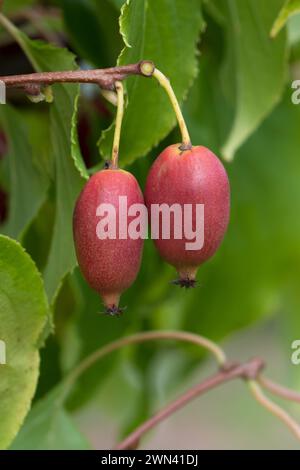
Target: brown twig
250 371
247 371
105 78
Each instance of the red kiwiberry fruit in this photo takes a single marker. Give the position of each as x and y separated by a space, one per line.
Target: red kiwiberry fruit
190 176
110 266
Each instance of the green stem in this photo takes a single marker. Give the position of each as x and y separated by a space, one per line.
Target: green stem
118 124
165 83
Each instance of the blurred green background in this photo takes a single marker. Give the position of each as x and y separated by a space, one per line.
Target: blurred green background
234 81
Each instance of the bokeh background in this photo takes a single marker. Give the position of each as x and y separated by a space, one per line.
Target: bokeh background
236 83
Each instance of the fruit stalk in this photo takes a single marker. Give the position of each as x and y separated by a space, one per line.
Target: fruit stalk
118 125
165 83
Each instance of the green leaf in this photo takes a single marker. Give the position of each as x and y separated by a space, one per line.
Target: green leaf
100 42
259 66
117 3
28 182
23 313
165 31
49 427
70 171
289 9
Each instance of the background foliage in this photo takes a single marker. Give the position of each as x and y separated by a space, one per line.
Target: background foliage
235 80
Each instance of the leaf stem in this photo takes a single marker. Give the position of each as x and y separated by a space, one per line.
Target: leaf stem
165 83
118 124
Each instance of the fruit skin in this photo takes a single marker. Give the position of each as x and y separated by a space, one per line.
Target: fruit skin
192 176
109 266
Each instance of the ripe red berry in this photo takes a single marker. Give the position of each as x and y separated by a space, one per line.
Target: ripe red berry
110 266
192 176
